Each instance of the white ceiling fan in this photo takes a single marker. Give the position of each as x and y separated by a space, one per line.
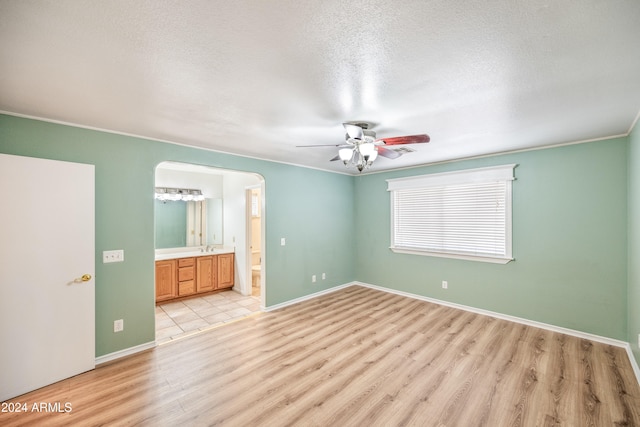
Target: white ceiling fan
361 147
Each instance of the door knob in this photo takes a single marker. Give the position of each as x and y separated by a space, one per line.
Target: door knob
84 278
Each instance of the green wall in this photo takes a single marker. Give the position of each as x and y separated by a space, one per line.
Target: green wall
572 209
634 242
569 241
312 209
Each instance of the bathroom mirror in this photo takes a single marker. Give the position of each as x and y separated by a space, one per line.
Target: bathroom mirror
181 224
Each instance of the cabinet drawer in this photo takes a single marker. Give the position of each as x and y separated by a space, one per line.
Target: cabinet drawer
186 288
185 273
186 262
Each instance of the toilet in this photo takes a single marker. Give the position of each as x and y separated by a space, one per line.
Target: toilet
255 275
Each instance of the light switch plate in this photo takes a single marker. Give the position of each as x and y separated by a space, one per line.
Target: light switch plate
113 256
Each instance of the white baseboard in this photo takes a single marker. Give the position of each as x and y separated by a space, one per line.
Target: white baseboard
136 349
597 338
308 297
553 328
632 359
124 352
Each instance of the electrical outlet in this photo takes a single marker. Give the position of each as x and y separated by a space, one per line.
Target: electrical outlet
324 276
282 241
118 325
113 256
445 285
313 279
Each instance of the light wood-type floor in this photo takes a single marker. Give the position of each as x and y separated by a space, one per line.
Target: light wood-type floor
355 357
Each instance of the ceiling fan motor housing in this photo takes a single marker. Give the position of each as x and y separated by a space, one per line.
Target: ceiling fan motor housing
368 136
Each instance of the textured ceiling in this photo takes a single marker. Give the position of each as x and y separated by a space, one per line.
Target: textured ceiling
257 78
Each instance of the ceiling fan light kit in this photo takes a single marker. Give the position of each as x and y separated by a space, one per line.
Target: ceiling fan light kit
361 156
346 154
361 148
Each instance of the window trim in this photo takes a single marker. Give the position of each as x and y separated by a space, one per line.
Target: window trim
467 176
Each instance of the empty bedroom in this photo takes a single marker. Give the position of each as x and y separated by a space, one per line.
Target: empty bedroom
356 213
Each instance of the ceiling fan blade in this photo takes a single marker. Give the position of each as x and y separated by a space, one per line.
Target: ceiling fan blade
410 139
335 158
319 145
385 152
354 131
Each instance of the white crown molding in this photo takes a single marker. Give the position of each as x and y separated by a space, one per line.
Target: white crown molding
167 141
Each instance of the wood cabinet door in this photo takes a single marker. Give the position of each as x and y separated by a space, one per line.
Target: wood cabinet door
186 288
225 271
206 271
165 280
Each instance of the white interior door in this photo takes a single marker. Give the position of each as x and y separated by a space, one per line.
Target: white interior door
47 243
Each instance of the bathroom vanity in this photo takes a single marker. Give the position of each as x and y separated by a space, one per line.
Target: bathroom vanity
184 272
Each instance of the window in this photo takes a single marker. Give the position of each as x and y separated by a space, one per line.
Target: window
463 214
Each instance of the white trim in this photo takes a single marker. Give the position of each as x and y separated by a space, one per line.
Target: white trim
150 138
457 177
523 321
418 191
497 153
520 320
553 328
247 289
633 124
308 297
124 352
354 173
632 360
494 260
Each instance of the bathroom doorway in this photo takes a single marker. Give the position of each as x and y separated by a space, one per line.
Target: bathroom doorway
224 229
254 237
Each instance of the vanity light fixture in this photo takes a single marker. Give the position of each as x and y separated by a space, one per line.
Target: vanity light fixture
178 194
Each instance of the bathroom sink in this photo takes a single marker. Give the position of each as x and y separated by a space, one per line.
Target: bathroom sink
162 254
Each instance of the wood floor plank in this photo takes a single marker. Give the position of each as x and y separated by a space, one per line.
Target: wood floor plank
354 357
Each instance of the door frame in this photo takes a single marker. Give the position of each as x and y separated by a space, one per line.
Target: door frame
242 286
248 236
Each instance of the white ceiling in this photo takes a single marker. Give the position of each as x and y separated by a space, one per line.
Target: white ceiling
257 78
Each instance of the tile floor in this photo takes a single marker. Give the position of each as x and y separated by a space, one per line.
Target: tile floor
178 319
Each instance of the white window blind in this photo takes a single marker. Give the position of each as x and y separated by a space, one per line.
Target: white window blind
464 214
